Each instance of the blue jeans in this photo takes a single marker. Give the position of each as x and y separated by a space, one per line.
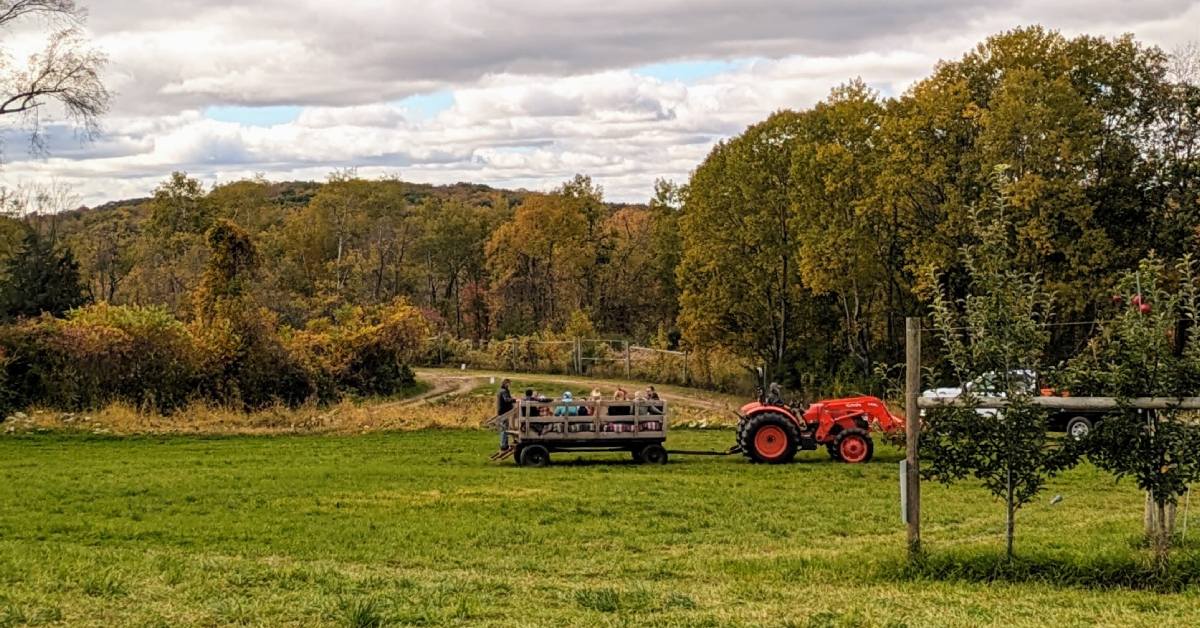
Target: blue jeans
503 433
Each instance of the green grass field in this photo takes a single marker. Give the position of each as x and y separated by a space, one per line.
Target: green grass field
417 528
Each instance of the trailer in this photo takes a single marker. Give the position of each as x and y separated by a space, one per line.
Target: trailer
540 428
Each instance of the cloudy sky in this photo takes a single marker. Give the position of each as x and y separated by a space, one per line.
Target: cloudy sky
514 93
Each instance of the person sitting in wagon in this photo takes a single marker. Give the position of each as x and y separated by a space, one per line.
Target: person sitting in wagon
655 405
620 394
528 398
593 407
565 409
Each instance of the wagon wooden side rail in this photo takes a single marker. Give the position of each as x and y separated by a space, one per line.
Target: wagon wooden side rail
539 428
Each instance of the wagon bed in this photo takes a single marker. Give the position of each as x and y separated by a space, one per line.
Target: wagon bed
539 428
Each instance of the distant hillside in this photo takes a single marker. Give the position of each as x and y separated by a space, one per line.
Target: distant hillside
298 193
462 252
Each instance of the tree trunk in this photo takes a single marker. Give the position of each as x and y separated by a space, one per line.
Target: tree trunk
1159 522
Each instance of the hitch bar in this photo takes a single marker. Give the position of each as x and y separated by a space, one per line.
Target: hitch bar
732 450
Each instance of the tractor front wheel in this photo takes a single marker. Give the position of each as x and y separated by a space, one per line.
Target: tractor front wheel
854 446
769 437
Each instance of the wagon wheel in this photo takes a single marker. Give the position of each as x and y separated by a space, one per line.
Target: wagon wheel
654 454
534 456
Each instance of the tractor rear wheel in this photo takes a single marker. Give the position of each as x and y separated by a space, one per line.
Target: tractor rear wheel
854 445
769 437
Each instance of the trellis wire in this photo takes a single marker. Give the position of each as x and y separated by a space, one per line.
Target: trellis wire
1063 324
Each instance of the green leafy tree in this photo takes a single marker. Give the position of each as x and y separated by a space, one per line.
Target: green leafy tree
106 251
1077 120
666 249
180 206
846 242
41 278
993 338
172 253
739 275
1139 352
246 202
338 213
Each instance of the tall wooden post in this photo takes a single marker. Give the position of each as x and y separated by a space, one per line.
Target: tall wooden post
912 429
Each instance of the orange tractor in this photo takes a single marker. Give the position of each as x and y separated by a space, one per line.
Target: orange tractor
771 431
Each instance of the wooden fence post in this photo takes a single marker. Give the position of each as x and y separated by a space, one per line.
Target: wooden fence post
627 360
912 429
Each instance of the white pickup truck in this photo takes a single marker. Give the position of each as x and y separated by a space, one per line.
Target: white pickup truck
1075 423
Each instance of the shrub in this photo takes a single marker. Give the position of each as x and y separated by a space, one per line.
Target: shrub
156 364
146 358
245 362
380 352
100 354
361 351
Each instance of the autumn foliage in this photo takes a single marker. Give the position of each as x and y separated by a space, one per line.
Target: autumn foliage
233 352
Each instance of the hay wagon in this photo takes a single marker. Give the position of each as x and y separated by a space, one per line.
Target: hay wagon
539 428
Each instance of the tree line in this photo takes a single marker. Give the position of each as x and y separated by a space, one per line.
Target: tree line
480 262
822 224
797 247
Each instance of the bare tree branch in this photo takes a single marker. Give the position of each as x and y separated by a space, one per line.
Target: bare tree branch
67 73
1184 63
12 10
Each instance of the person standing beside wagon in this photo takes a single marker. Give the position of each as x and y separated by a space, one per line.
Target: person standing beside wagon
504 405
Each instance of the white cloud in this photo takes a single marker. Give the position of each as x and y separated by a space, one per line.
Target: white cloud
539 89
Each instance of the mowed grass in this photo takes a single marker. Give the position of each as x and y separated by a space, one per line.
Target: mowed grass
417 528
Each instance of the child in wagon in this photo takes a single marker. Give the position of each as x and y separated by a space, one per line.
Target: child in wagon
567 408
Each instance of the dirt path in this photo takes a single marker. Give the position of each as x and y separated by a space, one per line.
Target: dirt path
443 386
448 383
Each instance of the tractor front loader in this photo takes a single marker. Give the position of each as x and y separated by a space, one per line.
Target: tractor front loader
772 432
